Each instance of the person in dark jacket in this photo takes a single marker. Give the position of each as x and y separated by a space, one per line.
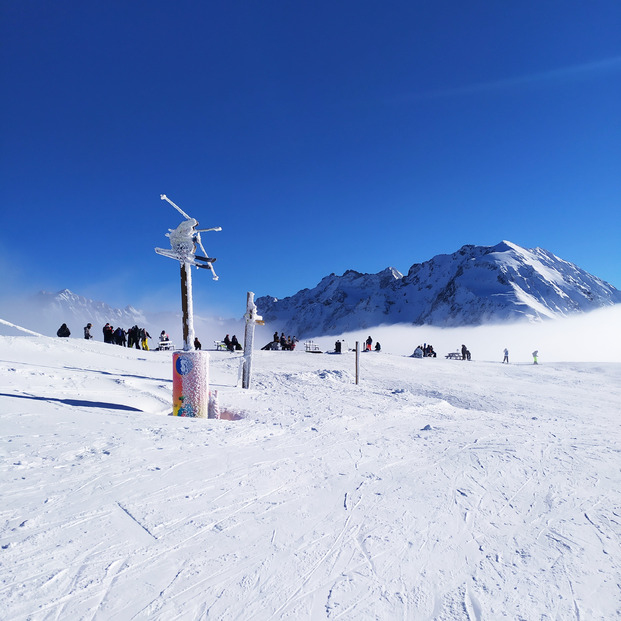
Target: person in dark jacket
227 342
235 343
197 344
108 331
87 331
63 331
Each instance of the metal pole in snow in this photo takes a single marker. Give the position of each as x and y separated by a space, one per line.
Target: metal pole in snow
357 361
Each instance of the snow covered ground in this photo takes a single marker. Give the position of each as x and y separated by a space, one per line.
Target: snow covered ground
434 489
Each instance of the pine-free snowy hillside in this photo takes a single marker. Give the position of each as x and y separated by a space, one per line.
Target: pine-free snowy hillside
473 286
46 311
434 489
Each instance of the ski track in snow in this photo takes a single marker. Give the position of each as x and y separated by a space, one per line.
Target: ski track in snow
433 490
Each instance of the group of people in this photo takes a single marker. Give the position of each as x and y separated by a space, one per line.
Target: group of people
133 337
424 351
368 345
232 344
281 342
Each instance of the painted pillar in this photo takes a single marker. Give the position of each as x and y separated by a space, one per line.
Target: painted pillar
191 384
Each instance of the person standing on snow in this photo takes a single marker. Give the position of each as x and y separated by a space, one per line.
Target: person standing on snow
535 356
87 331
506 358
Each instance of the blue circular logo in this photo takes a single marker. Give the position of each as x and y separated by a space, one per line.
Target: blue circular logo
184 365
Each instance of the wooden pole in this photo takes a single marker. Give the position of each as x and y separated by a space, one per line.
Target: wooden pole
248 339
186 307
357 361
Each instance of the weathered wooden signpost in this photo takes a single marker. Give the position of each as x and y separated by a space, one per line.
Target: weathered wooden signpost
252 319
190 367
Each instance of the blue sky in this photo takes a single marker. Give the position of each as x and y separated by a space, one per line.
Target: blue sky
321 136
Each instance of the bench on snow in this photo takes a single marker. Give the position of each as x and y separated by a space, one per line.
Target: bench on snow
165 346
454 355
311 348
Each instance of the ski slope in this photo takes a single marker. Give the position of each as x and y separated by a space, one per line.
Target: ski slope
434 489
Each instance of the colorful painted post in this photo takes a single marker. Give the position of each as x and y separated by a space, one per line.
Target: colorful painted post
191 384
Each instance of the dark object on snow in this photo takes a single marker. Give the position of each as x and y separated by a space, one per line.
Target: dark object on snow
197 343
63 331
87 331
378 347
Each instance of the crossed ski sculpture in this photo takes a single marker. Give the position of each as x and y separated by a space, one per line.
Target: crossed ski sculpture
183 242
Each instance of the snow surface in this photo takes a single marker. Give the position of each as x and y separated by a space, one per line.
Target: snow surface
434 489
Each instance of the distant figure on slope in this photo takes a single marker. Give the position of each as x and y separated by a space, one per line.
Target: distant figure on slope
144 335
378 347
464 352
87 331
63 331
535 356
227 342
506 358
369 343
197 344
108 331
418 352
235 343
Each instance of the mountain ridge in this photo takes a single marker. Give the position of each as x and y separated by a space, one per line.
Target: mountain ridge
472 286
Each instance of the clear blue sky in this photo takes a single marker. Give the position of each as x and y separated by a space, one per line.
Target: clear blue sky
321 136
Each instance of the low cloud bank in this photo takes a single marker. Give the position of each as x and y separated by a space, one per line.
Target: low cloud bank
590 337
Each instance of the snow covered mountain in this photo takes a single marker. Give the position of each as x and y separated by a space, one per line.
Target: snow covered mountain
46 311
475 285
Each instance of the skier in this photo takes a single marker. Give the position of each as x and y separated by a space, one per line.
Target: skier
535 355
87 331
63 331
506 358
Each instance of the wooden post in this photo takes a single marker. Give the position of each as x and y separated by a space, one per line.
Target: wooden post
187 307
357 361
248 339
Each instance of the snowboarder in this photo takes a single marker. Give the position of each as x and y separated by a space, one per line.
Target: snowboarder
506 358
63 331
87 331
535 356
